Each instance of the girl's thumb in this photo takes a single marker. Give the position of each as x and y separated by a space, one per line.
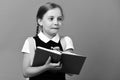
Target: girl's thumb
48 60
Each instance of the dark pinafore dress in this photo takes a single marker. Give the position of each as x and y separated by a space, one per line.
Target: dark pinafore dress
48 75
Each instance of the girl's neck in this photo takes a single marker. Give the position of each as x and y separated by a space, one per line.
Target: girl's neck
50 36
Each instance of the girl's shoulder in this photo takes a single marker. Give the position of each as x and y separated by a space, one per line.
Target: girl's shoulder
29 45
65 38
31 41
66 42
29 38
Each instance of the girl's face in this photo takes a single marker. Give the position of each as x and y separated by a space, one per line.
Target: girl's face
51 21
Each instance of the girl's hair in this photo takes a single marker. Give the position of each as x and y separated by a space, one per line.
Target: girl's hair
43 9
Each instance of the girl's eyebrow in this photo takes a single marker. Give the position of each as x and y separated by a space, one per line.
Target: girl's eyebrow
54 16
50 16
60 16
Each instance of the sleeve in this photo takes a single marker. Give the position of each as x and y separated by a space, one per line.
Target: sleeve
68 42
28 45
25 48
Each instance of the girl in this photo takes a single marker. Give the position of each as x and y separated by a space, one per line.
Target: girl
49 20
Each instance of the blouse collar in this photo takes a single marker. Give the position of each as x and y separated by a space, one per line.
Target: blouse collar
45 39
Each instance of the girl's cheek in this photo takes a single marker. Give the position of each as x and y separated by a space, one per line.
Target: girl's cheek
60 23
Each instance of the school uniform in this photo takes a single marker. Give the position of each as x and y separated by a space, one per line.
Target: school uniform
41 40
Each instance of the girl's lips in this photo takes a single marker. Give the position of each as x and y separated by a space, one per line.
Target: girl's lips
54 28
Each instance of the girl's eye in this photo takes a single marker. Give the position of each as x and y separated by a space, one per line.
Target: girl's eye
60 19
51 18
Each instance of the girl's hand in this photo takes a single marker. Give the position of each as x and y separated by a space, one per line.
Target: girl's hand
53 66
56 48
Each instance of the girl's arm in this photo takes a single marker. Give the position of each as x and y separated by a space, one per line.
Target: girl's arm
29 71
69 50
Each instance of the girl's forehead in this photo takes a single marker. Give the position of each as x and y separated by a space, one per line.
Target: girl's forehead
53 12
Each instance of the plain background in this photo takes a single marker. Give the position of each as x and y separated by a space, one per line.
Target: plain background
93 25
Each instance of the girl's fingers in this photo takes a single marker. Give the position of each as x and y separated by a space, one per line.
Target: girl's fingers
55 64
48 60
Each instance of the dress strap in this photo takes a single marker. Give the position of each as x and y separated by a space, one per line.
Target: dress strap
36 38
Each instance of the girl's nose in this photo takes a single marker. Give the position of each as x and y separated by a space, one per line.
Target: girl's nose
56 22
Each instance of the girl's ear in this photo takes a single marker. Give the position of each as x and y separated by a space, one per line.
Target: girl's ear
40 22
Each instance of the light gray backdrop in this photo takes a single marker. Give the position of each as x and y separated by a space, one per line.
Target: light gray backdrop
93 25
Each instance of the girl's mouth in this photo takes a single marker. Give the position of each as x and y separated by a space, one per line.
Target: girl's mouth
55 28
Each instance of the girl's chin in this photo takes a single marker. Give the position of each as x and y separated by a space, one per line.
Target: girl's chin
54 31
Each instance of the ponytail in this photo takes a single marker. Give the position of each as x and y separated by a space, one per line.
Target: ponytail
37 29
